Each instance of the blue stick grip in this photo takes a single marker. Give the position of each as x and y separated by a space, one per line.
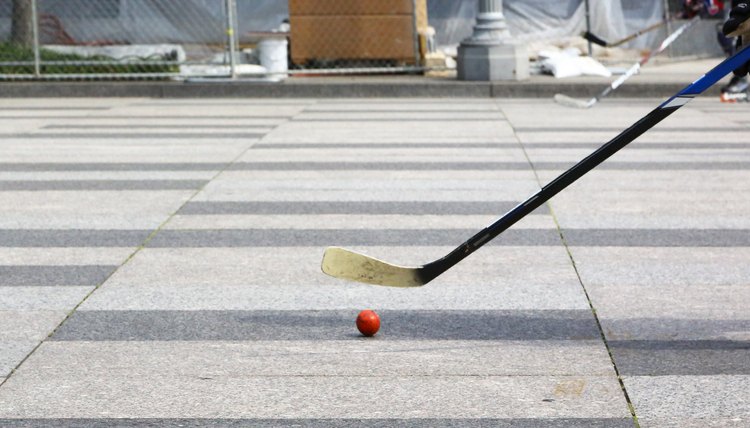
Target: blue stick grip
709 79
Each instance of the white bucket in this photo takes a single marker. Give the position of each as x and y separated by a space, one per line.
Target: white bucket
272 54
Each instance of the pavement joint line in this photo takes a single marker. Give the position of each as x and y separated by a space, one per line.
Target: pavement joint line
607 346
131 256
620 380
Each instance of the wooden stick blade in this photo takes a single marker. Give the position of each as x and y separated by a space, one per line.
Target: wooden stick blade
345 264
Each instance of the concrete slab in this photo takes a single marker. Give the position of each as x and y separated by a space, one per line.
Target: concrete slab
328 423
499 154
225 238
363 357
381 106
254 278
222 190
336 206
422 185
654 199
58 238
558 167
352 221
29 325
552 395
12 353
662 266
63 256
99 185
300 397
326 325
374 178
46 276
681 357
41 298
227 121
106 175
399 114
331 131
214 167
672 401
199 134
664 155
89 210
214 109
50 148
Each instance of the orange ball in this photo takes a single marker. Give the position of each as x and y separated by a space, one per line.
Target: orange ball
368 323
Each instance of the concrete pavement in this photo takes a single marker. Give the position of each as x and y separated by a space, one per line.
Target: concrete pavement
159 264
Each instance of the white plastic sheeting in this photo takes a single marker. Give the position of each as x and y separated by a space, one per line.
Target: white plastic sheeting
545 20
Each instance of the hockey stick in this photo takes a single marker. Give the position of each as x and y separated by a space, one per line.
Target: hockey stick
346 264
573 102
596 40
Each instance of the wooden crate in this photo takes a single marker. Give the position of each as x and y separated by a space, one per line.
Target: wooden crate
351 30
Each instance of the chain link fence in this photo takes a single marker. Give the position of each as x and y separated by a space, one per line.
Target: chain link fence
193 39
272 39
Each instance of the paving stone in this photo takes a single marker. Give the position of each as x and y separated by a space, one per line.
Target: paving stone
12 352
251 278
681 357
305 397
338 358
352 207
463 154
326 325
50 148
350 221
53 275
304 185
106 175
89 210
41 298
655 199
42 238
690 400
417 131
99 185
29 325
63 256
319 238
334 423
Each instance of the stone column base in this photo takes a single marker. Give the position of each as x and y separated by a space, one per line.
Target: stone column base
493 62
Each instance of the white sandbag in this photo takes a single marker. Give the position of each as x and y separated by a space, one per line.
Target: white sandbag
570 63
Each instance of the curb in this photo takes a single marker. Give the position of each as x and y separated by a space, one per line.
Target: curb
336 89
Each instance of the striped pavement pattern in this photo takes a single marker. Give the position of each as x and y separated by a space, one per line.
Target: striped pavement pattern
159 265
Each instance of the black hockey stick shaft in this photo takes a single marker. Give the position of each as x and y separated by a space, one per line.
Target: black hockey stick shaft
601 42
550 190
433 269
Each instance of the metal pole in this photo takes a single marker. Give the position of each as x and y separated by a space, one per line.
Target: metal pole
490 53
415 31
491 27
35 34
667 17
588 25
231 5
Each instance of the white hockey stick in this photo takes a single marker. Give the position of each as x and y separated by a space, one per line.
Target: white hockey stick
573 102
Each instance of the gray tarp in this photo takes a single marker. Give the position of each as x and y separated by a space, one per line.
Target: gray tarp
533 20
